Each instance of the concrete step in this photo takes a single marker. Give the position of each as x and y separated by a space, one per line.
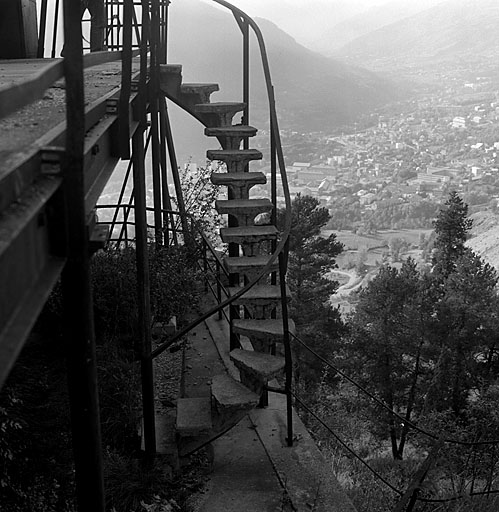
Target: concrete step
256 368
170 76
218 114
230 137
249 266
194 94
166 440
259 295
248 234
261 301
245 210
254 240
258 364
230 396
202 420
239 182
236 160
262 328
194 416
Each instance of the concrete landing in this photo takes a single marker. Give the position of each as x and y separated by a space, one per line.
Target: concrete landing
302 469
253 469
243 478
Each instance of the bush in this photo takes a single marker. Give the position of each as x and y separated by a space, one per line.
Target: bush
173 282
35 450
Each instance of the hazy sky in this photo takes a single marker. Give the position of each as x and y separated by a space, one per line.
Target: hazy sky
306 20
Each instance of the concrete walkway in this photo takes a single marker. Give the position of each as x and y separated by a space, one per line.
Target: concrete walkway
253 469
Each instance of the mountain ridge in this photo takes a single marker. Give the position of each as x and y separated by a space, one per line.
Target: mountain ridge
452 29
314 93
366 22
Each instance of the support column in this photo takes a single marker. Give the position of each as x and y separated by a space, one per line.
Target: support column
77 298
143 290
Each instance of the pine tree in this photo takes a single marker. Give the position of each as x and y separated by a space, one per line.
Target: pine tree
452 228
389 344
311 256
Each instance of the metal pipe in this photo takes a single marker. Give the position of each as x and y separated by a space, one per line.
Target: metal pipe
43 27
273 191
154 110
205 266
219 289
246 78
174 167
143 290
54 28
126 83
167 219
287 346
77 297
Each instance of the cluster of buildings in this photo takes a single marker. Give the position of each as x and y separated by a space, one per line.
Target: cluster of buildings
437 143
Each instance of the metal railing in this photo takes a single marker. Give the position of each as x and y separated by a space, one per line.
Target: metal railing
50 35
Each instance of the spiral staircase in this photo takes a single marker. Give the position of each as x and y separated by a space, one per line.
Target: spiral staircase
255 314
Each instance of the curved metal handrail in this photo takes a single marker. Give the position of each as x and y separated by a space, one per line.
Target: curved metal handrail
164 344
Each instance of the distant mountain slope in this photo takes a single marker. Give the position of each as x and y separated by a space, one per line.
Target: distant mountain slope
313 92
452 29
485 237
350 29
302 21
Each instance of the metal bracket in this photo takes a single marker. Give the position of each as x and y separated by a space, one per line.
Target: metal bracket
112 106
51 160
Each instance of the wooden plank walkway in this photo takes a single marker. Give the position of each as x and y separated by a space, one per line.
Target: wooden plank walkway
19 132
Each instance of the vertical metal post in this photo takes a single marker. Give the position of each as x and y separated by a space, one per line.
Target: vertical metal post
98 25
43 28
77 297
164 31
156 172
56 24
143 290
143 278
167 218
234 249
174 167
273 191
219 290
205 265
246 77
111 29
126 83
154 109
287 345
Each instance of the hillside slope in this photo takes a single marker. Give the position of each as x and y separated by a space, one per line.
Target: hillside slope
363 23
453 29
485 237
313 92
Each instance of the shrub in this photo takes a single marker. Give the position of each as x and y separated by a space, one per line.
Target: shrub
172 288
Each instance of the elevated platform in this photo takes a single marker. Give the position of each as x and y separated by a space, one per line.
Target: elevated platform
31 127
32 145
